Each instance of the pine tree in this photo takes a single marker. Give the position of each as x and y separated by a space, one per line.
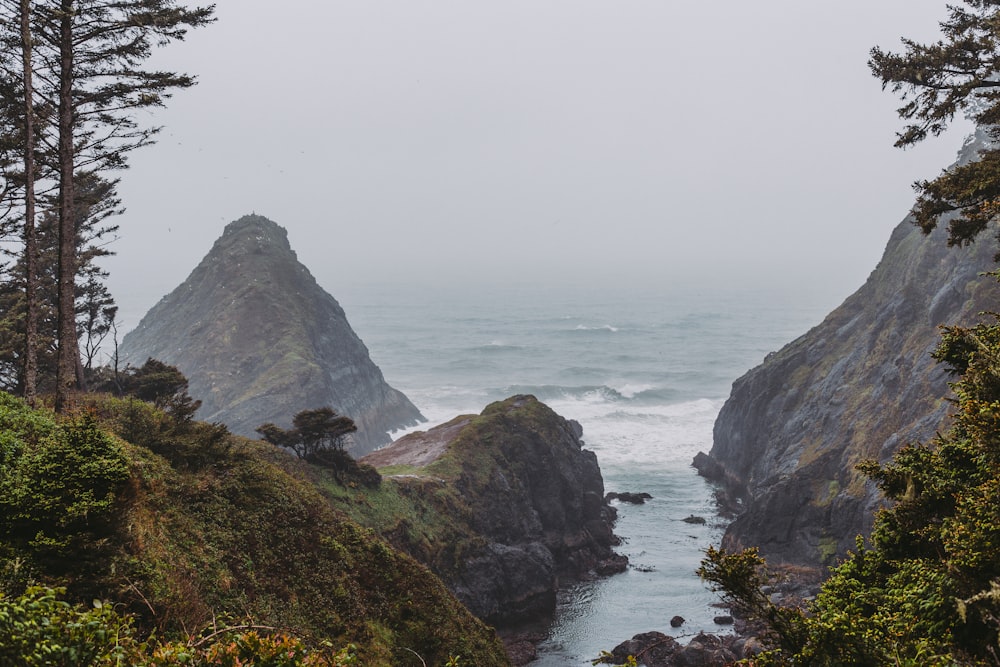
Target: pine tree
958 74
87 58
96 203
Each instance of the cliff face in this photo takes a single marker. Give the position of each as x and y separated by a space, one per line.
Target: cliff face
522 500
260 340
858 386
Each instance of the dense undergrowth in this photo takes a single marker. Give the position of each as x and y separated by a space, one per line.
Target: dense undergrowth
182 529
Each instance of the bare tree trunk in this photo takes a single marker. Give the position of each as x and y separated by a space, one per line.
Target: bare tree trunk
68 357
30 242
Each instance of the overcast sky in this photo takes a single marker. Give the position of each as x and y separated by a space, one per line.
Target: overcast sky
642 142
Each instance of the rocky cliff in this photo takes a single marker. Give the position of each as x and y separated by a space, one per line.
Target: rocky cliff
501 506
858 386
260 340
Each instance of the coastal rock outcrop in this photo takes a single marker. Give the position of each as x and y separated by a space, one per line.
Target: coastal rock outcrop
523 504
259 340
655 649
858 386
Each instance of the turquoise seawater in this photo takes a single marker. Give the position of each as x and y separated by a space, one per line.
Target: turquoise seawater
645 371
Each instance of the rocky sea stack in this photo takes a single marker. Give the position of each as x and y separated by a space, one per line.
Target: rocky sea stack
859 386
260 340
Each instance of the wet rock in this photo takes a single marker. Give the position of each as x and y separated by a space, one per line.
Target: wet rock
653 649
533 517
677 621
704 651
700 520
628 497
521 648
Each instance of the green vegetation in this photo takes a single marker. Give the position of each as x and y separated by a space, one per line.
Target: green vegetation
194 530
433 512
954 75
318 436
422 516
924 590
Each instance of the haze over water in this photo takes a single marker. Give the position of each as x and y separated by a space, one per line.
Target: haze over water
645 371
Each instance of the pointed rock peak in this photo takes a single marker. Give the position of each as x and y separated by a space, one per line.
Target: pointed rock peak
259 340
254 231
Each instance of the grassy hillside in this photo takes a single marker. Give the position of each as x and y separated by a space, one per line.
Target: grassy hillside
502 506
190 528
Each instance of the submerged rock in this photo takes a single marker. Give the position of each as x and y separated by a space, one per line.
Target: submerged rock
628 497
259 340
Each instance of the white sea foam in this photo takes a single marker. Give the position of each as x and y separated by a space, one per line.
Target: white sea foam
606 327
631 389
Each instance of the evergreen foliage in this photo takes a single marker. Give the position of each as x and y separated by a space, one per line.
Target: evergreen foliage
924 590
40 629
957 74
213 546
319 437
95 307
162 385
71 83
59 483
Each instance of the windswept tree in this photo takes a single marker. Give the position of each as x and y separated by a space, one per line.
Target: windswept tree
960 73
315 436
86 70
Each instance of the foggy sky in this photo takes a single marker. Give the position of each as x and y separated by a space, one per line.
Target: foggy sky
682 143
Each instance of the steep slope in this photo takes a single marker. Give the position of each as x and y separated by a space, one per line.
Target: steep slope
207 529
260 340
860 385
500 505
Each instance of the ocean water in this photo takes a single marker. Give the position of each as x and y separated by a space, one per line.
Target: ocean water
644 371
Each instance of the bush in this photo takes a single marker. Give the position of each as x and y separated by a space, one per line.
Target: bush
183 442
57 495
38 629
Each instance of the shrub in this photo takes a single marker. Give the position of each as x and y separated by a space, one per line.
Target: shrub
38 629
58 494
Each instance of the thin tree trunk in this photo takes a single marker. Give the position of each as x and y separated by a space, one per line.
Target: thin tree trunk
30 242
69 353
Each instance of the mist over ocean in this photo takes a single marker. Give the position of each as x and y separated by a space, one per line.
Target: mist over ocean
644 370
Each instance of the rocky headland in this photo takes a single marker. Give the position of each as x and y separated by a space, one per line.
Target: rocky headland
259 340
503 506
858 386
